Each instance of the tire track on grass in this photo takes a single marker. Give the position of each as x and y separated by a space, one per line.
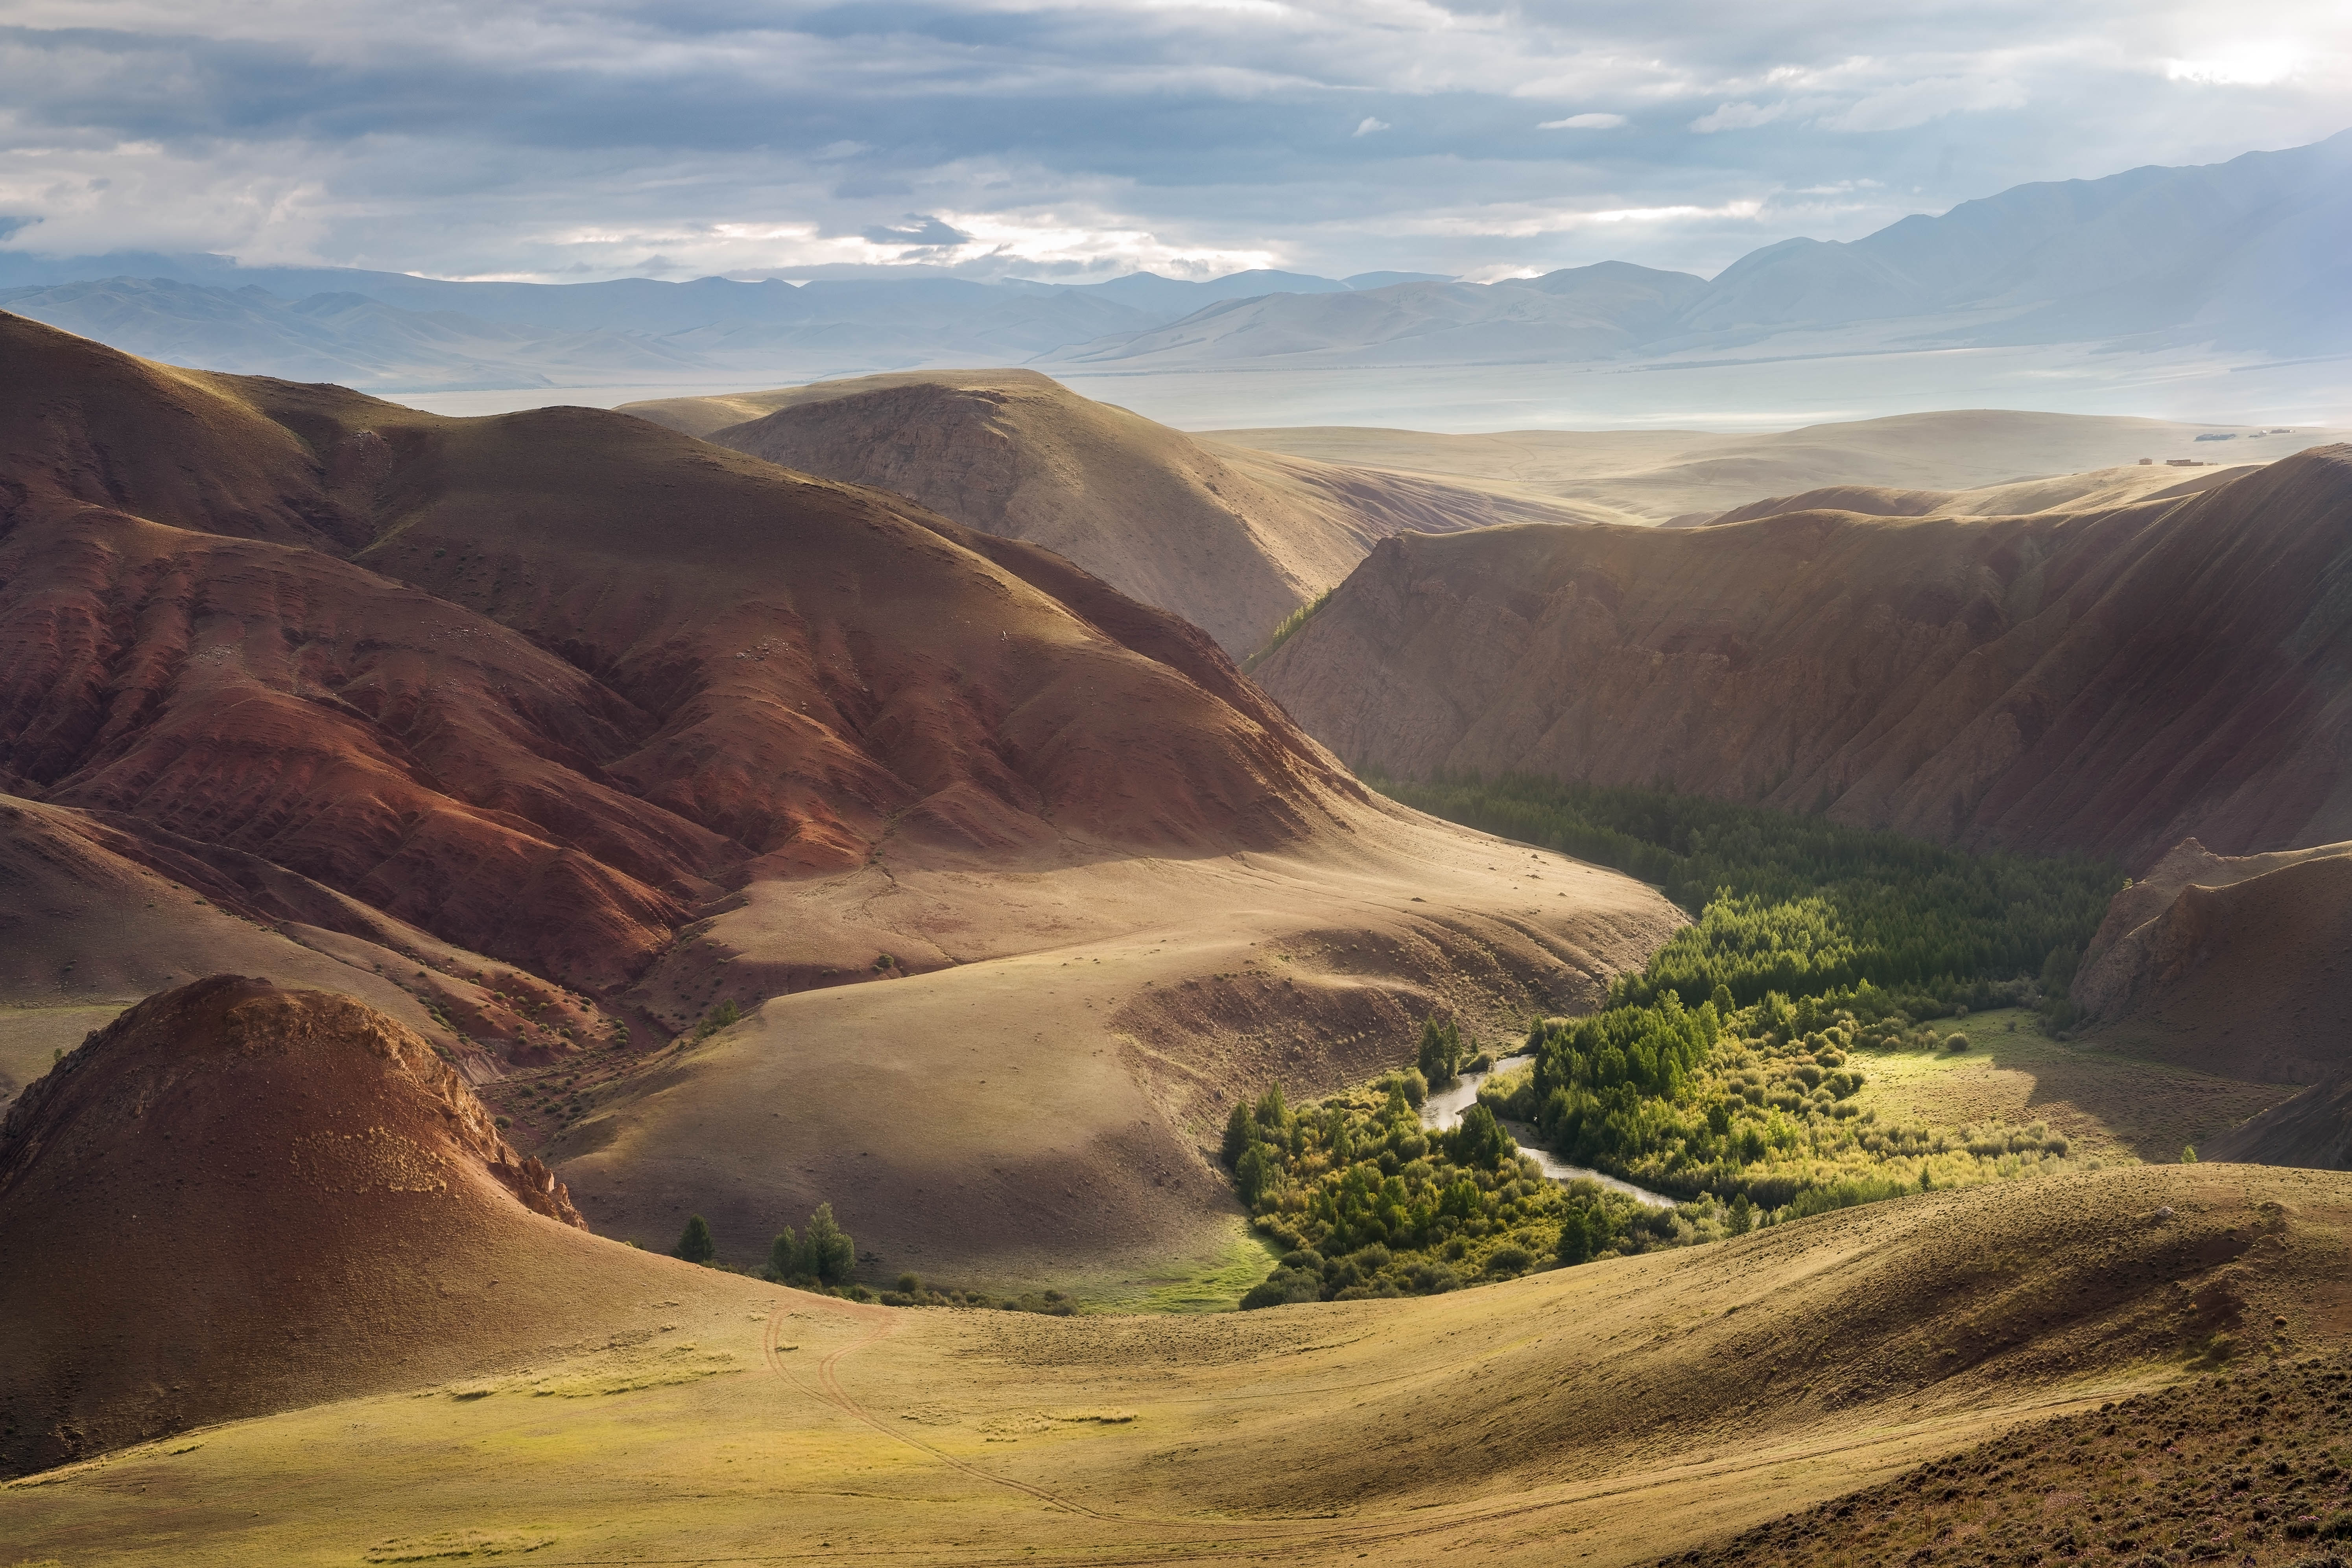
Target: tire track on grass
884 1321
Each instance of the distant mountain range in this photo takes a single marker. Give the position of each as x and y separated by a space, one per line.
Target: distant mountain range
2254 254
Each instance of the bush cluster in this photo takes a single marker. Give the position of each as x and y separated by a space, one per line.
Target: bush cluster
1370 1202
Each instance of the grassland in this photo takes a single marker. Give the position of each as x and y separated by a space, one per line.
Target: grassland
1599 1416
2108 1105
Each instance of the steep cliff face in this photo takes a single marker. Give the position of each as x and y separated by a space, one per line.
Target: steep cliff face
2110 680
1232 541
294 1171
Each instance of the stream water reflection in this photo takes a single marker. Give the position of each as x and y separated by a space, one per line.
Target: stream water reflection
1444 1109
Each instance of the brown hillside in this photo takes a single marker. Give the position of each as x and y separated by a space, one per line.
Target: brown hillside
2098 488
1230 539
2109 681
2239 974
85 931
592 723
315 1204
2235 966
2245 1465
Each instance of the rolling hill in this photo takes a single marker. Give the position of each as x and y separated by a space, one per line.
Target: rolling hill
1232 541
1620 1411
579 731
2109 681
316 1200
1691 477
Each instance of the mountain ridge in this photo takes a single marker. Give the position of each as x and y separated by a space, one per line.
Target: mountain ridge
2245 255
2108 681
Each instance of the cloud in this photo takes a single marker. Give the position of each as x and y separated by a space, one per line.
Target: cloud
917 228
1738 117
565 139
2250 63
1918 102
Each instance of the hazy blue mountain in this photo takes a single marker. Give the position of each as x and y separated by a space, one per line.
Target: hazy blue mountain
2251 249
2253 253
1581 313
339 337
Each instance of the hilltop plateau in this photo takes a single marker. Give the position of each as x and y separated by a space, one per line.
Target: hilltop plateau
2006 460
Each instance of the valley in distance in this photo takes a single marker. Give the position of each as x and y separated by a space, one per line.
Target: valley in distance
923 968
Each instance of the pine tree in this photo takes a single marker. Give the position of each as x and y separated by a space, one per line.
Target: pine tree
826 1252
1241 1132
783 1256
694 1244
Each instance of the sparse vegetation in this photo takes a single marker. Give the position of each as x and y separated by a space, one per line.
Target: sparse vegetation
2246 1467
1285 631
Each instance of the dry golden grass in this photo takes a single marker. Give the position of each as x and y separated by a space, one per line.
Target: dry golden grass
2247 1469
2109 1105
1601 1415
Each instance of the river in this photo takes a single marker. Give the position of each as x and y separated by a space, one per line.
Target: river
1444 1108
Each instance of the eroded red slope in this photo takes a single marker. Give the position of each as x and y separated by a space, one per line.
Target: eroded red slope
580 672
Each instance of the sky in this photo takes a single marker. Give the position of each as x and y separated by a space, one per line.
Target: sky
1076 142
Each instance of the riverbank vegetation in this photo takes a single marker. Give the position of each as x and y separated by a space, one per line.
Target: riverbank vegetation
1368 1202
1728 1075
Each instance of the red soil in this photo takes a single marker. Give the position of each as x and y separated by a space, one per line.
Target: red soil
319 1197
611 672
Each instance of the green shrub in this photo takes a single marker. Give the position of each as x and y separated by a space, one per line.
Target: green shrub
1284 1287
1510 1260
694 1244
